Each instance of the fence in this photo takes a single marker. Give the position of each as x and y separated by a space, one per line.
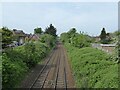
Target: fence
109 48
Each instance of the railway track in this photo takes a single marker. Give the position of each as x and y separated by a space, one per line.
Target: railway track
40 80
61 81
54 73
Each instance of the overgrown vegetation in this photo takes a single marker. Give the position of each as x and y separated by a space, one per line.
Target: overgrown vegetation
76 39
6 36
16 62
93 68
48 39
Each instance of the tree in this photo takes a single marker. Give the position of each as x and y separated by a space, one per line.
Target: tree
103 34
6 36
51 30
81 40
48 39
38 31
105 37
71 33
64 37
76 39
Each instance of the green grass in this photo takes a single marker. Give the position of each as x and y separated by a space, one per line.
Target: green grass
92 68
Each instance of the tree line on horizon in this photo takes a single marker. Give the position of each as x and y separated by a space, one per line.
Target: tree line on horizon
105 38
49 30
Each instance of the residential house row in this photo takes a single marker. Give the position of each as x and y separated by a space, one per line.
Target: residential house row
20 37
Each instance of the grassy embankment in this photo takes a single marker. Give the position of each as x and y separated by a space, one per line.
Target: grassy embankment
92 68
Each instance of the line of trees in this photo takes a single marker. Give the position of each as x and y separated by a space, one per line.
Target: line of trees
76 39
48 36
92 68
49 30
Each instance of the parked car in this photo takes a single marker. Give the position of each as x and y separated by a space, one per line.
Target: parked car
13 44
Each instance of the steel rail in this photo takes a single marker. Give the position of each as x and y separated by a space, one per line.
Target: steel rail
42 70
55 86
48 71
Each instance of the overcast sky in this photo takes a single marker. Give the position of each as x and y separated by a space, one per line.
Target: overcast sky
88 17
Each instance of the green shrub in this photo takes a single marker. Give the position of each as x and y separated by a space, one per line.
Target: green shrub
81 40
16 62
12 71
76 39
48 39
92 68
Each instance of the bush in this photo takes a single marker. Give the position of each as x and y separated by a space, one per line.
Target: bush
81 41
12 71
76 39
92 68
48 39
17 61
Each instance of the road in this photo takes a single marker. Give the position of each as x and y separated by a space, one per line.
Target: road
55 73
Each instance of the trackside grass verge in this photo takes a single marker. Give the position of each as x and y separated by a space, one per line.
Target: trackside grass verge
92 68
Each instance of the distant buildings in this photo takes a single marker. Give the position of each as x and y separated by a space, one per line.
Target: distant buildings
32 37
108 47
105 47
19 36
98 39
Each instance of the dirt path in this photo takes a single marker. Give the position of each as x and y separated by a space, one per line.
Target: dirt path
55 73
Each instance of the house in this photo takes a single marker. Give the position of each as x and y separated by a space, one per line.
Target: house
19 36
32 37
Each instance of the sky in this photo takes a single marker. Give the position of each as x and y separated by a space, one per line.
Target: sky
89 17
